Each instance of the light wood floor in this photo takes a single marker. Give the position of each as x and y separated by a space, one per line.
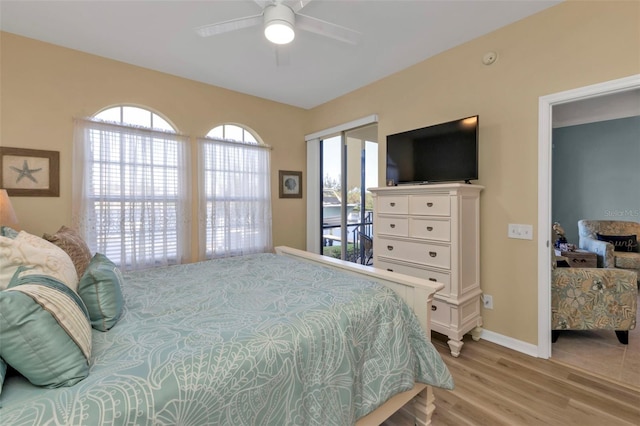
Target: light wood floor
497 386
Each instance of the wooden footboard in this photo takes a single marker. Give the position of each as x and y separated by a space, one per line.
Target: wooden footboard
418 294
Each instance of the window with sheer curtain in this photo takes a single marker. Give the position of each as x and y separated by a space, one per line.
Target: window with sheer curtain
235 193
131 188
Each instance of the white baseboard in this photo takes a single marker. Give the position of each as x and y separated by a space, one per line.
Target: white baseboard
510 342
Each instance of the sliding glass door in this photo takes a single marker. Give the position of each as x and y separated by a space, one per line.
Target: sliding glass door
349 165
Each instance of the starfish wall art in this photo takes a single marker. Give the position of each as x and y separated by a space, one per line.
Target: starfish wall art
30 172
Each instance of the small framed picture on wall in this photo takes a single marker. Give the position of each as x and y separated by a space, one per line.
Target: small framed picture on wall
30 172
290 184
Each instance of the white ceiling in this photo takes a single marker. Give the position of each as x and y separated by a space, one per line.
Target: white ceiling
160 35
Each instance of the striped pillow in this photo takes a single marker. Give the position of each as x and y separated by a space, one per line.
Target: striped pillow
46 334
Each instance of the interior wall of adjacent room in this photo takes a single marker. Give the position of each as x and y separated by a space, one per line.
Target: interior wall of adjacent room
595 173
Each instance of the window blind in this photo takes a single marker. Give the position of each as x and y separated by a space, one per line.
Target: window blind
235 198
131 195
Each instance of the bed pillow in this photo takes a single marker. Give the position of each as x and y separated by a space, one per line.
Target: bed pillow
628 243
46 335
6 231
101 291
30 250
3 374
74 245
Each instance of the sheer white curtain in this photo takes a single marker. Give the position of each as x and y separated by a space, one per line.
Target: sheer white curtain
235 198
131 193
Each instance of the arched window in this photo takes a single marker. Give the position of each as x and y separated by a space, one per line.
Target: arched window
131 187
232 133
235 193
135 116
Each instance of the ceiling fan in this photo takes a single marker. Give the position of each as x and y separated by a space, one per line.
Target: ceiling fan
280 19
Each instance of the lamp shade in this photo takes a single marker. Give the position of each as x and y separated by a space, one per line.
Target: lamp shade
7 214
278 24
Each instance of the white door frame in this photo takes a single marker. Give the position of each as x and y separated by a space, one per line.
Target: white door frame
545 128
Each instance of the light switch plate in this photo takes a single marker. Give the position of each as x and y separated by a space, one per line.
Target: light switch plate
521 232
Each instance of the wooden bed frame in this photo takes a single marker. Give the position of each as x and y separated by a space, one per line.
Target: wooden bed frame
418 294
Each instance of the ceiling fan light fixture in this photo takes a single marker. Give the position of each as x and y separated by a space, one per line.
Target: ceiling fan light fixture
278 24
279 33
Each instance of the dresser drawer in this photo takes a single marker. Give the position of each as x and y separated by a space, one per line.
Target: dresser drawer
430 229
417 252
430 205
440 313
428 274
394 204
391 225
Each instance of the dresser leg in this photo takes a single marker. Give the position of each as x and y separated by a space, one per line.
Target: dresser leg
455 346
475 333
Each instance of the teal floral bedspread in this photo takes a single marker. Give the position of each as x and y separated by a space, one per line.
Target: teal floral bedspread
255 340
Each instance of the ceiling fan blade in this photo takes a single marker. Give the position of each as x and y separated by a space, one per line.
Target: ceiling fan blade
264 3
327 29
296 5
232 25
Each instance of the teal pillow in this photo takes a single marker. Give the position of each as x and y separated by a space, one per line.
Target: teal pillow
8 232
101 291
3 373
46 335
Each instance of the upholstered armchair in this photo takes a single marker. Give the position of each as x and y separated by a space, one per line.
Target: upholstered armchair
608 257
594 299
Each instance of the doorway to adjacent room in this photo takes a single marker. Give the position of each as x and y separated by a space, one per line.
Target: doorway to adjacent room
602 98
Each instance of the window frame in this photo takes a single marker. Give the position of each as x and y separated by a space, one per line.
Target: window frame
208 199
165 243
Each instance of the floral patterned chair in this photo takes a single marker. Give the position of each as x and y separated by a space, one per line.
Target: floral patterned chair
596 236
593 299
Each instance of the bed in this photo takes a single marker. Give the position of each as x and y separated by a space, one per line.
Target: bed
289 338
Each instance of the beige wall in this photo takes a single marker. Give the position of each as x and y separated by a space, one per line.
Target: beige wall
571 45
43 87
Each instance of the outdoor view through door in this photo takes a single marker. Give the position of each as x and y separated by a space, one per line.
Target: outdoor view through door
349 166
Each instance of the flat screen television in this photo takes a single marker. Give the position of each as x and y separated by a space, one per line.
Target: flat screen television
445 152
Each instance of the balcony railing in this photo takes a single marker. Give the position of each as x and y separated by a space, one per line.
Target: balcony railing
359 240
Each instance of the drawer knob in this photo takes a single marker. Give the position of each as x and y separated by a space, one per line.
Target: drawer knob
433 254
393 225
392 204
389 269
429 204
429 228
434 308
390 248
433 279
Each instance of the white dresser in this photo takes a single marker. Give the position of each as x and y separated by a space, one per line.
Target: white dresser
432 231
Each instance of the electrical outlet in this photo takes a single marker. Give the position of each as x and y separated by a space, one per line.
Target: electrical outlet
487 301
522 232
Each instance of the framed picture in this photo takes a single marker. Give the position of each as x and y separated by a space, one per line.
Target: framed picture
290 184
30 172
